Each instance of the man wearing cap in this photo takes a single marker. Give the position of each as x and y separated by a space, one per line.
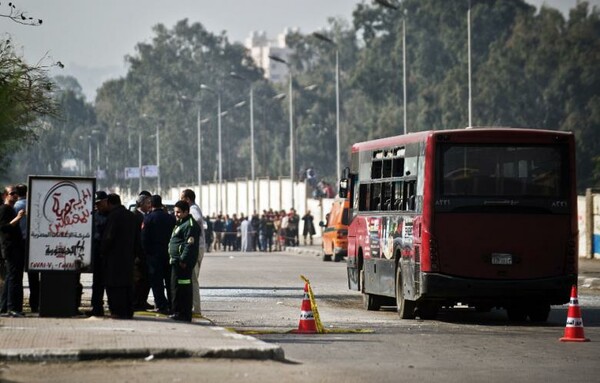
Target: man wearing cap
100 213
183 254
189 196
156 233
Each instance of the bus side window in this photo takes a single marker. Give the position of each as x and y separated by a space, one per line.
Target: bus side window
387 168
398 195
410 195
376 170
375 197
398 167
364 197
387 195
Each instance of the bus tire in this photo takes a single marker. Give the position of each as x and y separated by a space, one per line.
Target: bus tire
371 302
516 313
338 258
326 257
405 307
539 313
427 310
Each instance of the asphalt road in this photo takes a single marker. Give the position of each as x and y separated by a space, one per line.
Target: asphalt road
261 293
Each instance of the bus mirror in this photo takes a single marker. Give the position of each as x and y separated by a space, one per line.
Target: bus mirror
343 187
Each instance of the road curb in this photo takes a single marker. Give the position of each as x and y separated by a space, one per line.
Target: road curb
303 250
73 339
57 355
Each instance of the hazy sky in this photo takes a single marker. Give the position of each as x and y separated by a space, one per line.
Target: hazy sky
101 32
91 37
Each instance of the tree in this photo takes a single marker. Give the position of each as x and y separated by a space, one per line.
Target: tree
173 66
19 16
59 137
25 95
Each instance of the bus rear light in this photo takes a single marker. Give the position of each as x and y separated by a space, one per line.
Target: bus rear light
434 255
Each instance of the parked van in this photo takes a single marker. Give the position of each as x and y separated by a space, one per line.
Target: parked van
335 231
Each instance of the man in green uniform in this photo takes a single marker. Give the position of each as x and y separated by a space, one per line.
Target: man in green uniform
183 253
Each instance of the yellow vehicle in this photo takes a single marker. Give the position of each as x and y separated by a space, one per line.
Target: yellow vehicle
335 231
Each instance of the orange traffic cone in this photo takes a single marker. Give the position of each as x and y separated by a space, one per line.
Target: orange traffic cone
307 324
574 328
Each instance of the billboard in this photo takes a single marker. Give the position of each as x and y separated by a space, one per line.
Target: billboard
59 215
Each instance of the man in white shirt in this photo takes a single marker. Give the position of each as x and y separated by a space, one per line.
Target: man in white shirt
189 196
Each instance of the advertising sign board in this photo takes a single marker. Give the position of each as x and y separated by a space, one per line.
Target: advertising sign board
60 224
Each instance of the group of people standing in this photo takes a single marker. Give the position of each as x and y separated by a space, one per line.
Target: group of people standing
142 251
148 249
272 231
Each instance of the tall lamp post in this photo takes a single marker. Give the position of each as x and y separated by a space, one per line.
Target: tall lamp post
291 107
337 100
220 153
199 122
157 135
387 4
158 156
140 158
469 65
252 173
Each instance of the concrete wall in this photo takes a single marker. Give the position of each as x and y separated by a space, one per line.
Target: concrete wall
270 194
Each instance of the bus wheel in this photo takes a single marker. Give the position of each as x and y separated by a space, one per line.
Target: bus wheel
371 302
338 258
516 313
539 313
483 308
406 308
427 310
326 257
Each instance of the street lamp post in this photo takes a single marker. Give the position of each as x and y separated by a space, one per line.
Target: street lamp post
252 173
337 101
291 107
387 4
140 159
158 157
220 153
199 122
469 55
157 134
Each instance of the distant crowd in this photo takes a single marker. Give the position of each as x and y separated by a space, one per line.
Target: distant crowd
271 231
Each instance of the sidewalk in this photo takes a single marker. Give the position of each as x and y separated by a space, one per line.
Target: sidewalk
146 336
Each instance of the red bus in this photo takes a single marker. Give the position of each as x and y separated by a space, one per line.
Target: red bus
484 217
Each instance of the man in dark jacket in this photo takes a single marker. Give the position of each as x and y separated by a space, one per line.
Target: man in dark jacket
183 253
156 233
120 244
141 284
100 216
13 254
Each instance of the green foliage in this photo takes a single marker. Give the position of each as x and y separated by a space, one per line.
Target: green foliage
67 136
24 96
529 69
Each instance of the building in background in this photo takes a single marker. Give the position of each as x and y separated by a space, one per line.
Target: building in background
261 47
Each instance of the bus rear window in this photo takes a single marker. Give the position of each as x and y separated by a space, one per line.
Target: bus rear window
502 171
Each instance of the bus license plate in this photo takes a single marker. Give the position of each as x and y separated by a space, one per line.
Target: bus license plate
501 259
